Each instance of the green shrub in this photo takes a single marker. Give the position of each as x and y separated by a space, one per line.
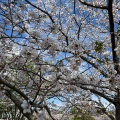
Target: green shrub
80 114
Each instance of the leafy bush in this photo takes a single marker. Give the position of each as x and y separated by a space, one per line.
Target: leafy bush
80 114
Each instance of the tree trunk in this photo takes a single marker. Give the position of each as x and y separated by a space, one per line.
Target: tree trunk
117 111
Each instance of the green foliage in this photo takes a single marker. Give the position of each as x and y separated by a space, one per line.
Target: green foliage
80 114
98 46
10 112
30 66
84 116
75 110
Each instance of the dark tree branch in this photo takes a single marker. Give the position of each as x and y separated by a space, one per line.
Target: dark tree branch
92 90
48 14
74 7
48 110
41 10
65 36
13 88
98 93
18 104
95 66
91 5
88 61
109 115
111 23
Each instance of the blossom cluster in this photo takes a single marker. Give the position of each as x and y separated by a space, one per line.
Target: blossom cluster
26 107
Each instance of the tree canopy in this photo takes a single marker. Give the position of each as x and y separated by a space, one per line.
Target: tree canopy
60 50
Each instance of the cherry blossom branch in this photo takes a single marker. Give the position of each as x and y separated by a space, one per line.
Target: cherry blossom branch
104 109
91 5
48 111
111 23
18 104
91 90
88 61
98 93
48 14
13 87
41 10
94 65
79 25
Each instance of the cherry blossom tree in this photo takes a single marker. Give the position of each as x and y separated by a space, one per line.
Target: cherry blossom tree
59 49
